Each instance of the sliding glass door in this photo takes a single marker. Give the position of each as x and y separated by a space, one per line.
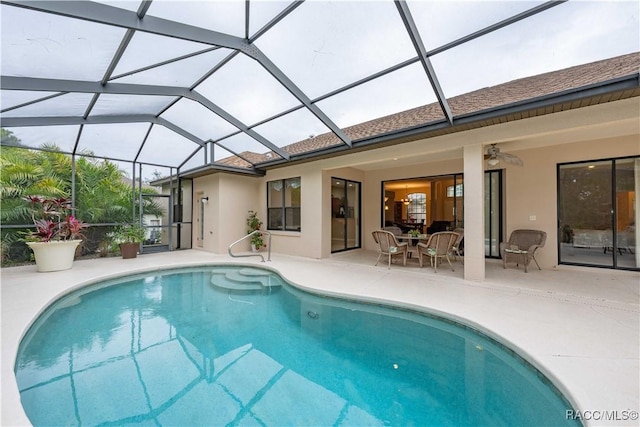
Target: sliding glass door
492 213
436 203
345 214
598 213
429 204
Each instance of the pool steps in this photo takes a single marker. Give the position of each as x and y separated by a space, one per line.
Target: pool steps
246 279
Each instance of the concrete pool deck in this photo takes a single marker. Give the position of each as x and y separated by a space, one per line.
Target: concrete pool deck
579 326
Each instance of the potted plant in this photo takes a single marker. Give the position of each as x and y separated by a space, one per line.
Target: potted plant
107 244
129 237
254 224
57 235
415 234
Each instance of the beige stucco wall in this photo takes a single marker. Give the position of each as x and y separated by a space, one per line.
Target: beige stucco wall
230 199
314 240
307 241
232 196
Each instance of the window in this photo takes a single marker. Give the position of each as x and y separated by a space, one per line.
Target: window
458 192
430 198
417 208
283 204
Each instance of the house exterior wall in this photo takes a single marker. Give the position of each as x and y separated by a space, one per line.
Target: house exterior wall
602 131
531 191
307 242
230 199
206 187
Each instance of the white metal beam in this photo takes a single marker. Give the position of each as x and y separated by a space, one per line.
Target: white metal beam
57 85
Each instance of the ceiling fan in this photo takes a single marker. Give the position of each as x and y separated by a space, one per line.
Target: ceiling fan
494 155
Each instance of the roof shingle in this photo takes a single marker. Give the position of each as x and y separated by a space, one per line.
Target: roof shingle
515 91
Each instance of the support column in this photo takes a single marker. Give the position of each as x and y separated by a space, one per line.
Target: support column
474 261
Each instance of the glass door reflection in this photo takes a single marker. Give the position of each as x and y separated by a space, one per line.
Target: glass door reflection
345 214
598 213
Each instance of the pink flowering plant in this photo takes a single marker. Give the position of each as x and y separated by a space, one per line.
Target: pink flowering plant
53 220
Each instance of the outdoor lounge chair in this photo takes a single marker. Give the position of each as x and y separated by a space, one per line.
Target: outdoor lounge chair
522 246
388 245
437 247
458 248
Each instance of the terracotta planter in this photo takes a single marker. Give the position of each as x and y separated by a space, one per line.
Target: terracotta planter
55 255
129 250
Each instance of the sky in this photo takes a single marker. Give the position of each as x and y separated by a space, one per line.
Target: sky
321 46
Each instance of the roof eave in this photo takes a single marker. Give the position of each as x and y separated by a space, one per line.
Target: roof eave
465 121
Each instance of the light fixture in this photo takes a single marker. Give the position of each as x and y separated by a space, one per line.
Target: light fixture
493 161
407 200
205 200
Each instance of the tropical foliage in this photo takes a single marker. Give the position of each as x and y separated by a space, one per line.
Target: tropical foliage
103 195
53 220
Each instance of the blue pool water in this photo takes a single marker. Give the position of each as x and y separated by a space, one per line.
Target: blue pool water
238 346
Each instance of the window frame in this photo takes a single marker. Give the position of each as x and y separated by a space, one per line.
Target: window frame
285 210
614 209
417 209
457 190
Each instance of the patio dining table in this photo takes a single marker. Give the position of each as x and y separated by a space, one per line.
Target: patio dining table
413 241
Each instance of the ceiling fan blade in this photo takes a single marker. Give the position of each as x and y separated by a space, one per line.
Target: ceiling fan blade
511 158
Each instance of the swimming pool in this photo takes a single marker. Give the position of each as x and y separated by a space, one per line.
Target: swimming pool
237 345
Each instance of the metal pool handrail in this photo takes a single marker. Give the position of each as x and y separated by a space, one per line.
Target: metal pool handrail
248 255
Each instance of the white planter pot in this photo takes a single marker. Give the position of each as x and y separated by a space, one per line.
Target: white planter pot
54 256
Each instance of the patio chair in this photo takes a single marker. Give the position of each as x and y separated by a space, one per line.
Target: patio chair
522 246
437 247
388 245
397 231
458 248
393 229
438 226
